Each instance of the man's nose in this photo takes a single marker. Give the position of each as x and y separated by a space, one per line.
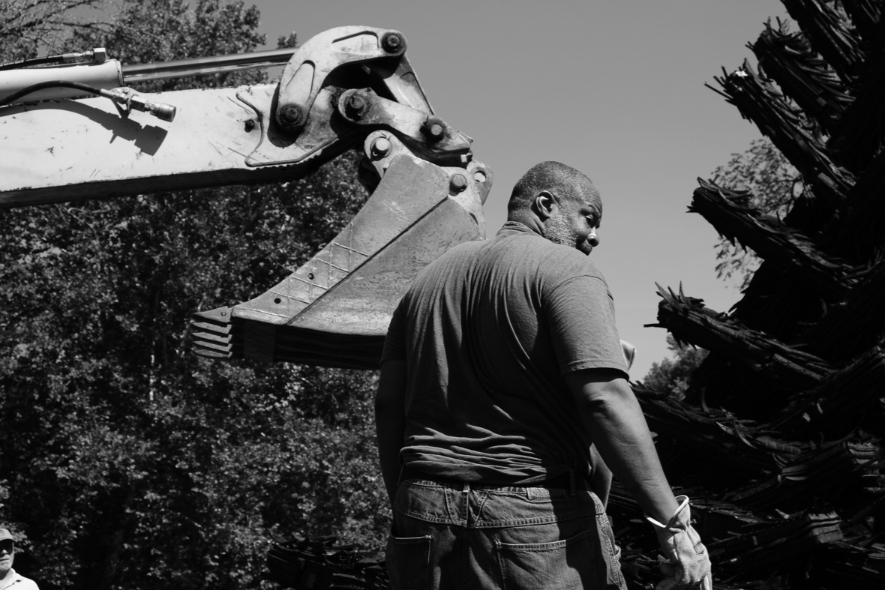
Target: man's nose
592 238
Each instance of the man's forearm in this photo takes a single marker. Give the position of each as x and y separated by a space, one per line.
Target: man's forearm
615 421
622 438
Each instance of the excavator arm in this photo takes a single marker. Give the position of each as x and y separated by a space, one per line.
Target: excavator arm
349 87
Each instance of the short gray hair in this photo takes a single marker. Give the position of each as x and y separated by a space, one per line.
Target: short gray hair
550 175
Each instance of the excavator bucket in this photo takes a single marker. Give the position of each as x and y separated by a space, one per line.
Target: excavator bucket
334 310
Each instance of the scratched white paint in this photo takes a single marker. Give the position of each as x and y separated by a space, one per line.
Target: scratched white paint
60 143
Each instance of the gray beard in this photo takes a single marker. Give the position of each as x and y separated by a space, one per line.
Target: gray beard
559 232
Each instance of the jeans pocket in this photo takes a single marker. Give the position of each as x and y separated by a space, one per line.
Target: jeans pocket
408 562
611 553
566 565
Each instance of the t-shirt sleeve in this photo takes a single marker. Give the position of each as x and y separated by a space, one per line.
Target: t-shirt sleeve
395 341
581 316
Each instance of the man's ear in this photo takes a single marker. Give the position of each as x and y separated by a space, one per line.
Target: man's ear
543 205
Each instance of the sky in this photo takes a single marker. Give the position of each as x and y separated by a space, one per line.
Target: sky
614 88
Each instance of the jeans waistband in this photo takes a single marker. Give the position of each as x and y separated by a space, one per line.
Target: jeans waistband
565 481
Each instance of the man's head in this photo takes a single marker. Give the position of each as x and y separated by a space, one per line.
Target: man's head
560 203
7 551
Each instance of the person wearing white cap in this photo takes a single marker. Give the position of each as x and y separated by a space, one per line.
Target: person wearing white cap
8 577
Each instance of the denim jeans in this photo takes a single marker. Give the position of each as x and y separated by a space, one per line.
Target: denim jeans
458 536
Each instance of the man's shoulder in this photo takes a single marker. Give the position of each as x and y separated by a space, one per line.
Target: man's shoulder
443 268
454 256
22 583
525 253
465 249
557 260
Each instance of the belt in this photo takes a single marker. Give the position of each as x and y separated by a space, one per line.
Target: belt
565 481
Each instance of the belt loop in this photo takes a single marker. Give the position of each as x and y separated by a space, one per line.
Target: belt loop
399 479
571 482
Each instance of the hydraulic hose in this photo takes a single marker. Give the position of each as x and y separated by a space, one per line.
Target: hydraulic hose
26 63
50 84
123 96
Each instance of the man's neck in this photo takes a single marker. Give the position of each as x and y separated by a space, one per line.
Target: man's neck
528 220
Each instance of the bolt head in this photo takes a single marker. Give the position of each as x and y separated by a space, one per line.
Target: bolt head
357 106
357 102
291 117
434 128
393 43
381 147
458 183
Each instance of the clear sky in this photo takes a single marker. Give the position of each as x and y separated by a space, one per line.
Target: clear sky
614 88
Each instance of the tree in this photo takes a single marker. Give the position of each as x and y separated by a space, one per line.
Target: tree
130 462
30 25
793 376
773 181
765 172
674 376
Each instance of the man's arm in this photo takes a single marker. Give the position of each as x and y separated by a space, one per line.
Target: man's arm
612 415
614 419
390 421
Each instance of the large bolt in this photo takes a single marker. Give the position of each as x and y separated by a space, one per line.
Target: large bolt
434 128
380 148
393 43
357 106
291 117
458 183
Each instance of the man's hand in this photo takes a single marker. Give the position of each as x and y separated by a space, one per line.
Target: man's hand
614 419
689 561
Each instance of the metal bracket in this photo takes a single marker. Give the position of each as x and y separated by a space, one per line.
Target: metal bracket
308 114
319 135
426 135
305 74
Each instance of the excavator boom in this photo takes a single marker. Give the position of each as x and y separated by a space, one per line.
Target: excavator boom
349 87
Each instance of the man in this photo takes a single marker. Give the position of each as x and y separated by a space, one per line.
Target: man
8 577
502 404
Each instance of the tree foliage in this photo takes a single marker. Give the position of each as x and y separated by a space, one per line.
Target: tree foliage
167 30
127 461
772 180
673 376
765 172
28 26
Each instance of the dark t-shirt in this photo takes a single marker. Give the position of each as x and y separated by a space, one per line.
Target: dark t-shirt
487 332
